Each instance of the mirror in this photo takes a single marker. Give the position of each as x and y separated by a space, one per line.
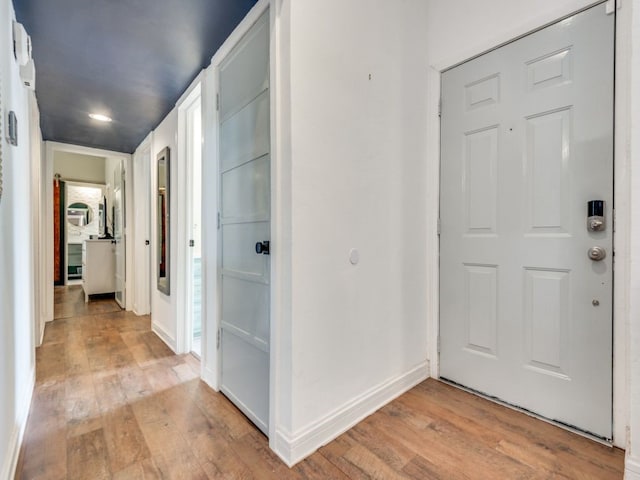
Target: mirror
79 214
162 220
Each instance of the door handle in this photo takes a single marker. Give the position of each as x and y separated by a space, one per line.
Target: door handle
262 247
597 253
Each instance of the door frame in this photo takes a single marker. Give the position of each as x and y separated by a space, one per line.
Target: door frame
211 305
50 149
141 229
64 228
621 194
191 97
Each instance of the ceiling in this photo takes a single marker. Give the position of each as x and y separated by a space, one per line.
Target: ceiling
128 59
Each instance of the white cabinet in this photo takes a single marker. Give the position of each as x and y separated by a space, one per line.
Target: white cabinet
98 267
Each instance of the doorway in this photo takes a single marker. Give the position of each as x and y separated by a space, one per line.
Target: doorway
190 225
526 232
66 163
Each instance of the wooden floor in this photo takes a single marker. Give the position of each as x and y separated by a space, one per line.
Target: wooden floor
112 401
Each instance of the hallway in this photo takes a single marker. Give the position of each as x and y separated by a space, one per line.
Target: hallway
112 401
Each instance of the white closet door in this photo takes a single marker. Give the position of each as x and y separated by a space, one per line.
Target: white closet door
244 221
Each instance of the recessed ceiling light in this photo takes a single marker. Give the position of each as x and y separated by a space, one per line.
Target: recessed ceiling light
100 117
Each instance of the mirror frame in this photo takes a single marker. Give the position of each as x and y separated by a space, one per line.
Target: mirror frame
89 214
163 230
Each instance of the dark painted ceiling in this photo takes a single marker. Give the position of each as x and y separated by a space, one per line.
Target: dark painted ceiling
129 59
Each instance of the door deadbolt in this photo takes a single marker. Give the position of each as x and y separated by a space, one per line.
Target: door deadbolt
595 216
597 253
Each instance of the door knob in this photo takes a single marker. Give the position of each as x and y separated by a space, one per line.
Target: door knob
597 253
262 247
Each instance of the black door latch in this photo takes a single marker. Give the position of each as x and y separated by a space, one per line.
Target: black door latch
262 247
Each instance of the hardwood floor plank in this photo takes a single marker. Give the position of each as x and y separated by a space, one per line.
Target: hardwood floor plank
112 401
218 459
87 457
145 470
125 442
317 467
263 463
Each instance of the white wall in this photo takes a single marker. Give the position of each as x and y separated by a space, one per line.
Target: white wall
460 29
356 335
17 318
78 167
163 307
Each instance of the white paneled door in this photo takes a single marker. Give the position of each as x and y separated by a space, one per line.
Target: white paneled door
245 223
525 300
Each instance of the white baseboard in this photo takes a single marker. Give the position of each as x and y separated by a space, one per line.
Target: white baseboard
164 336
294 448
43 324
208 376
632 468
10 461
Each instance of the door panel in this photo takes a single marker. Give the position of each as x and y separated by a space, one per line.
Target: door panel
238 240
246 134
527 141
245 194
247 309
245 73
245 174
251 397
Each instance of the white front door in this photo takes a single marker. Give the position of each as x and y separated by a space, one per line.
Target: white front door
245 221
527 142
118 232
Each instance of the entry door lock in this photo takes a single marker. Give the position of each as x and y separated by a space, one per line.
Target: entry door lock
595 216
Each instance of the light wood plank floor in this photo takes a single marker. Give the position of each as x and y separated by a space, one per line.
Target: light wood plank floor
112 401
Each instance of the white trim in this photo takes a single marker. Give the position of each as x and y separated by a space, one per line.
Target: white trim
164 336
188 95
623 232
210 377
280 201
432 297
631 468
536 21
96 152
622 194
292 448
10 462
189 100
50 149
209 354
142 214
243 27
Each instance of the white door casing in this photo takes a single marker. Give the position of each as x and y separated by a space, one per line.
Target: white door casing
119 231
244 153
142 229
527 141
